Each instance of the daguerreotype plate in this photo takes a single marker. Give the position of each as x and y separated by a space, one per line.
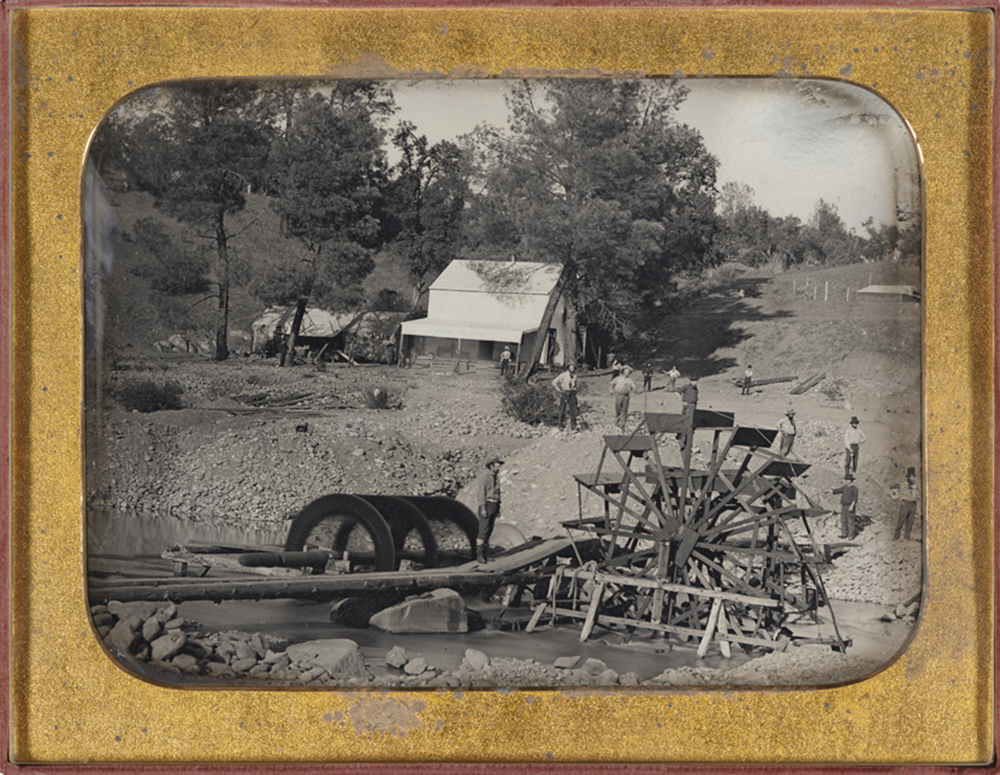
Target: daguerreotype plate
619 375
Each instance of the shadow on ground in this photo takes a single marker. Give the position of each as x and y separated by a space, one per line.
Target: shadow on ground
690 339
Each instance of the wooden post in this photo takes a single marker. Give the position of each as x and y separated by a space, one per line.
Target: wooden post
595 603
713 618
815 291
848 293
826 291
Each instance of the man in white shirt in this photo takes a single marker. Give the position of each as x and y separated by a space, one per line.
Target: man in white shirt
565 385
854 437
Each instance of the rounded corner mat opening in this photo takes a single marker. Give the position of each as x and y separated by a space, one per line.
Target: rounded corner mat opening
490 383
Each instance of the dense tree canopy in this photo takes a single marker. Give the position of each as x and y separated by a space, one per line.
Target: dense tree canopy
599 177
596 175
199 148
424 204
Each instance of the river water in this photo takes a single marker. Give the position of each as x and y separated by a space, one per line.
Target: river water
134 542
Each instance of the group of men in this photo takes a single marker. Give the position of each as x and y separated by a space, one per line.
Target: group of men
907 493
622 387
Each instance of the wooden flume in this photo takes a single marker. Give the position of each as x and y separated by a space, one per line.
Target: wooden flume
720 555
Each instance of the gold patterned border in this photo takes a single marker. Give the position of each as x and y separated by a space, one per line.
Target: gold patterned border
70 702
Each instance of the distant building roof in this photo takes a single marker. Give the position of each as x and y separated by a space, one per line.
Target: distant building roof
518 277
891 290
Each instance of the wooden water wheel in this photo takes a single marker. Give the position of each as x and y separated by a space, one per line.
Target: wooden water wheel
721 553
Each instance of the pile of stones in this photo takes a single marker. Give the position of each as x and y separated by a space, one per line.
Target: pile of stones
154 641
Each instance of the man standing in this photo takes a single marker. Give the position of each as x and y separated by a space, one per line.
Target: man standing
565 385
647 377
689 397
505 357
848 507
672 376
909 499
747 379
389 343
488 493
854 437
786 433
622 388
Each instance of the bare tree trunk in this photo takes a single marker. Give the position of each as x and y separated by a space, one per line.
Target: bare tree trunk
222 324
300 311
543 327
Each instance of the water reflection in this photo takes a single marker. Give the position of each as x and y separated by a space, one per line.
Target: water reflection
129 534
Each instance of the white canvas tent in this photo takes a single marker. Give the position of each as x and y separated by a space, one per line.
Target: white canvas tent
475 308
316 324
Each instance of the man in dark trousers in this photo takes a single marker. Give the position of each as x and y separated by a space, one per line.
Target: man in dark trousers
689 401
848 507
505 357
786 433
747 380
647 377
488 495
909 499
565 386
854 437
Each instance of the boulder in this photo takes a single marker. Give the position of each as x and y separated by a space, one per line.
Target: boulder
396 657
168 646
125 635
243 665
340 657
415 666
476 659
566 663
184 661
443 610
357 611
594 666
151 628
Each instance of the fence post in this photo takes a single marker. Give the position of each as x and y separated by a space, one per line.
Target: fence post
826 291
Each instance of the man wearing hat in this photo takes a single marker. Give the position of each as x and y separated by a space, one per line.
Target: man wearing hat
505 357
488 494
848 507
565 386
786 433
854 437
622 388
909 497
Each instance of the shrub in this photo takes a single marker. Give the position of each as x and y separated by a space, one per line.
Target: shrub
531 404
378 397
149 396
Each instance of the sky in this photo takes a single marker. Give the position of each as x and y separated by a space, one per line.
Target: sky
792 141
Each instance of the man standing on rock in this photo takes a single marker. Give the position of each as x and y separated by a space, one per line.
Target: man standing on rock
786 433
622 388
848 507
747 380
488 493
909 498
565 385
854 437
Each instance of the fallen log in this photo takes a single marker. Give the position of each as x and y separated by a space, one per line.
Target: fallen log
809 384
768 381
320 587
508 568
